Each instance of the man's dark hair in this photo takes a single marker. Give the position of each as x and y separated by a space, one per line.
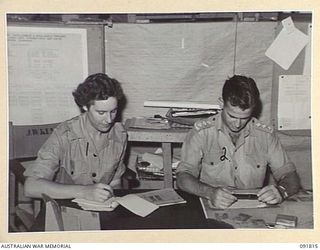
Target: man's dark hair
97 87
241 91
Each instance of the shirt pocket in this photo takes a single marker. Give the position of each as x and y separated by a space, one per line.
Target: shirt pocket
212 167
78 167
257 166
75 160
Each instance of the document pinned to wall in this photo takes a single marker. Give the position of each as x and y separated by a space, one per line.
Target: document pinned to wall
287 45
294 102
45 64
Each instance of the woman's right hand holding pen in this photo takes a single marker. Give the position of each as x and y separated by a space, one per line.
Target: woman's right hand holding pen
97 192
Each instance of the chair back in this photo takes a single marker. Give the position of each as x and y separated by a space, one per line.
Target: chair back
26 140
53 216
24 144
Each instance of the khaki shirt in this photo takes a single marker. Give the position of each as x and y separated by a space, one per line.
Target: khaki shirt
69 155
209 155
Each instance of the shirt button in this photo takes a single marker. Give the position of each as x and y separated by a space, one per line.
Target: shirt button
94 174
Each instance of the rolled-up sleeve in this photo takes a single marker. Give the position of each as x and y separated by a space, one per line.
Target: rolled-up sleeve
47 162
279 161
191 154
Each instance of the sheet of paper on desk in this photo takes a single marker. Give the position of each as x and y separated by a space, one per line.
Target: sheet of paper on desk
244 203
137 205
131 202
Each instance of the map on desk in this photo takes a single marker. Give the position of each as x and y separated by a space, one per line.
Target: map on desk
300 205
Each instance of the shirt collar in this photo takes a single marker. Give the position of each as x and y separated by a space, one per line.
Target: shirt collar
79 131
247 130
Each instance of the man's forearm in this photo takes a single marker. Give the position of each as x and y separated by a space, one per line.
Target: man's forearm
191 184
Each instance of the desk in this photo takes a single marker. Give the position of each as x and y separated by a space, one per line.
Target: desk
190 215
166 137
180 216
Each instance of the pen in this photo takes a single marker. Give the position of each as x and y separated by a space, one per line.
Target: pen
87 148
109 190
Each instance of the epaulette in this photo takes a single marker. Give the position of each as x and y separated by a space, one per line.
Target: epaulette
261 126
203 124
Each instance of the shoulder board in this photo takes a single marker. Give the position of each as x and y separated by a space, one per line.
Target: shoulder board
203 124
261 126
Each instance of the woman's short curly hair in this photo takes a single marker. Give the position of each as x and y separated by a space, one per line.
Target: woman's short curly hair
97 87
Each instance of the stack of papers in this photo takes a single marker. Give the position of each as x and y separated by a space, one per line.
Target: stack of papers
149 123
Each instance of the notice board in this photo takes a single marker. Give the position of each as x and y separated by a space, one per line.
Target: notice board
46 62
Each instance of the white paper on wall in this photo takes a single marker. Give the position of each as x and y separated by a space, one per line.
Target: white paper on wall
294 102
287 45
44 66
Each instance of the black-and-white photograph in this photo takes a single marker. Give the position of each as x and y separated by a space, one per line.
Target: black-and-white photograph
152 121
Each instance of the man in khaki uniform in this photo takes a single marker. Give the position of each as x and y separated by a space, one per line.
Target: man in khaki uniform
232 151
83 157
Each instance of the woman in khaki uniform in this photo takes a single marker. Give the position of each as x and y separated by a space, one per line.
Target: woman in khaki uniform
83 157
